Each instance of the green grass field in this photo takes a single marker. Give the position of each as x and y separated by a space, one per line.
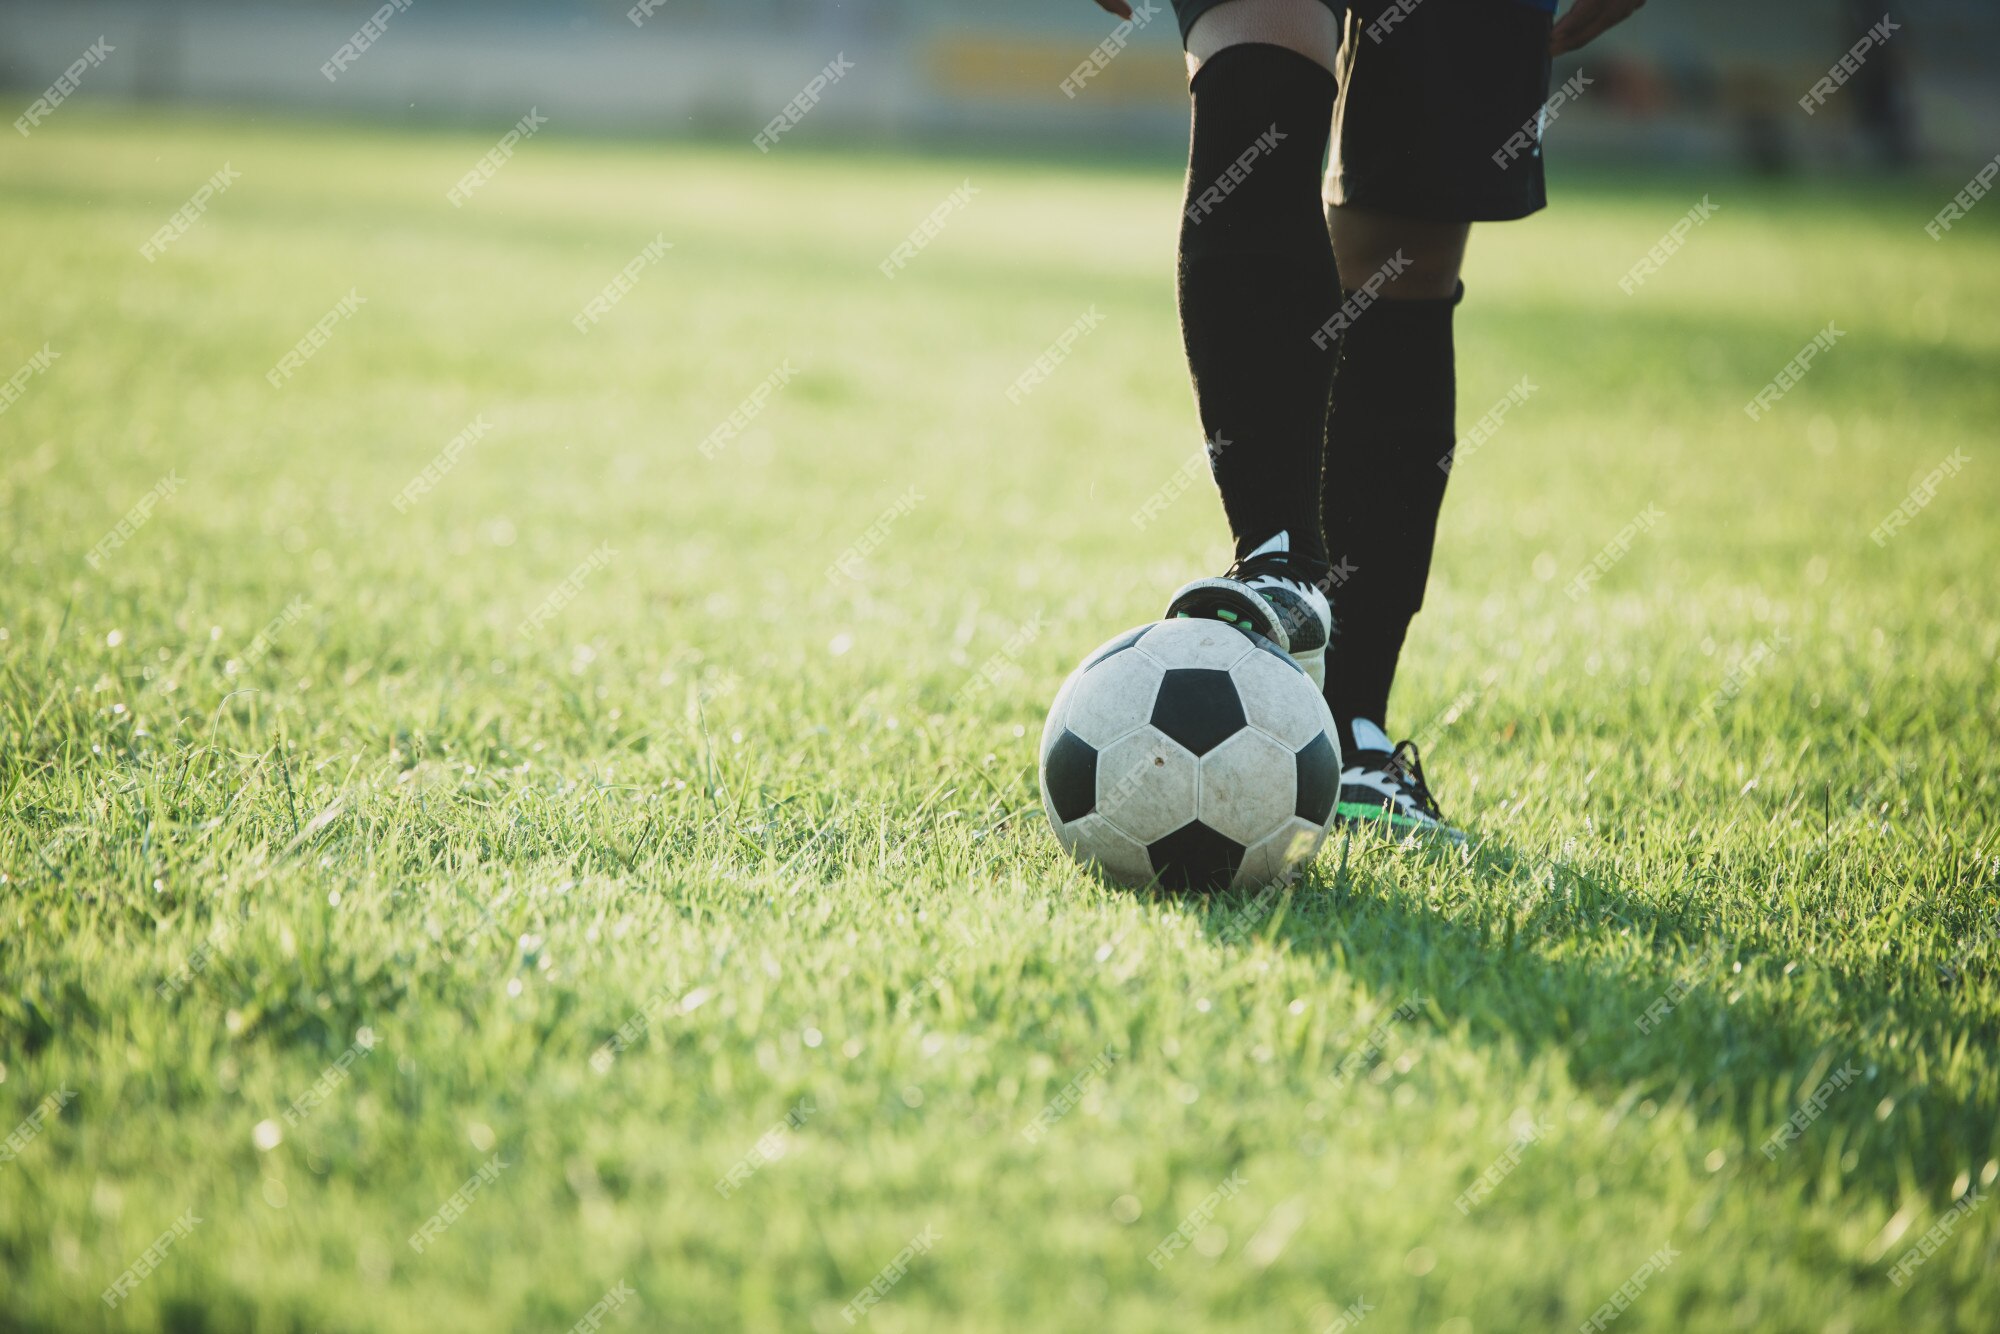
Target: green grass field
281 773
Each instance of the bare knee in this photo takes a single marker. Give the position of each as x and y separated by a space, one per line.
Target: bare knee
1418 258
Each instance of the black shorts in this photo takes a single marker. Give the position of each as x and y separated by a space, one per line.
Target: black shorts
1440 108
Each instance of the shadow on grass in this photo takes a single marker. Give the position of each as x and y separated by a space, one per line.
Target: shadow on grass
1646 1001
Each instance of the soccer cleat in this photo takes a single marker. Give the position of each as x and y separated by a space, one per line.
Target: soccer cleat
1386 789
1267 594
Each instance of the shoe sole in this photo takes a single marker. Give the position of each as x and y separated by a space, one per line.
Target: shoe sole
1374 818
1204 599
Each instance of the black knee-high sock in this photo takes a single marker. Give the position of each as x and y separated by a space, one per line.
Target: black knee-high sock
1256 284
1389 425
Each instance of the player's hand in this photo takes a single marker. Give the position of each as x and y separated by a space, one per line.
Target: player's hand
1118 7
1582 24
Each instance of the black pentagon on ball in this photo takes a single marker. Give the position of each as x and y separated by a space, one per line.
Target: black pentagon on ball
1319 779
1195 858
1118 645
1071 773
1198 707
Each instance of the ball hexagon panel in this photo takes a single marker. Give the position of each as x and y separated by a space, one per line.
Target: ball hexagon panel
1270 650
1279 699
1111 646
1198 707
1146 784
1248 786
1318 765
1291 846
1195 858
1069 778
1195 643
1095 840
1114 697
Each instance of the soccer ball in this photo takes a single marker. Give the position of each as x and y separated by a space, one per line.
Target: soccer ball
1193 754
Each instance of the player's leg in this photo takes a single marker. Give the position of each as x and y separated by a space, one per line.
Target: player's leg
1255 285
1419 258
1432 98
1390 432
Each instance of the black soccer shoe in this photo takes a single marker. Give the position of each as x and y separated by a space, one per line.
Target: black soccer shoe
1385 790
1267 594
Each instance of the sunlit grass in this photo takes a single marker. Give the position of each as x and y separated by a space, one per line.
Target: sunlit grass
740 821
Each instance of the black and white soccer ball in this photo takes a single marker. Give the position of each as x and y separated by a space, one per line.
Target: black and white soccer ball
1193 754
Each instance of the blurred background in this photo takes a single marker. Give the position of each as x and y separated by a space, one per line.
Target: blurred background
1705 81
504 684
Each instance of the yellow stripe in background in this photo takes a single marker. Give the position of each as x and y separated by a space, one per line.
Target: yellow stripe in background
970 65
